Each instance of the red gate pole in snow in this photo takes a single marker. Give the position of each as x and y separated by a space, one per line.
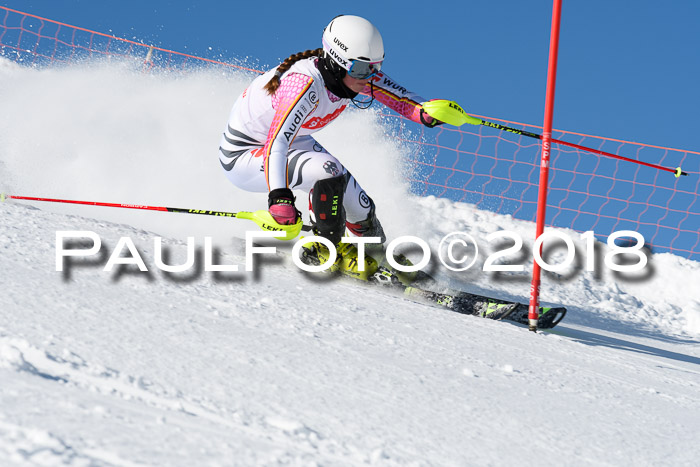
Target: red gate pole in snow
533 313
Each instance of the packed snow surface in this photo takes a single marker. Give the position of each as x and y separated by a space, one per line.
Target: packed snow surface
274 366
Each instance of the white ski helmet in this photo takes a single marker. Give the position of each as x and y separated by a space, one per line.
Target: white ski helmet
354 44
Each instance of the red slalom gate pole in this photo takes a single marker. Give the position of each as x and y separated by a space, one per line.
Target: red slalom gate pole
533 312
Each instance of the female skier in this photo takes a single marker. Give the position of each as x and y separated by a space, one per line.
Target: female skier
267 145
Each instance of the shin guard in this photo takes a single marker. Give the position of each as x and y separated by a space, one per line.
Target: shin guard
328 215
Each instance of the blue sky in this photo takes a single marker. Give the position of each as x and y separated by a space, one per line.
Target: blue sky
627 69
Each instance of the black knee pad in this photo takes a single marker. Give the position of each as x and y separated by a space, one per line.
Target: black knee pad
328 218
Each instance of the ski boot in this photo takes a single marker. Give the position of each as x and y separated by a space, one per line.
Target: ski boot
386 277
370 227
346 262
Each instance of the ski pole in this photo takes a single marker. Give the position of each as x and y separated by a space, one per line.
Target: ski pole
262 217
450 112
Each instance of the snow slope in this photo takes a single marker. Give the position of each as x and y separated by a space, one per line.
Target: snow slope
276 367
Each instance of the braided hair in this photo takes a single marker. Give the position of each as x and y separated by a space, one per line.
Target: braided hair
274 83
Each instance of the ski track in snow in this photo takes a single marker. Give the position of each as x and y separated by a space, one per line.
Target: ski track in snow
279 368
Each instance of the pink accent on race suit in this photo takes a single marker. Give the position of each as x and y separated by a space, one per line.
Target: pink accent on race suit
292 88
332 97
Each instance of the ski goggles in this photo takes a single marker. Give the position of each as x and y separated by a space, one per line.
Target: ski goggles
363 70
